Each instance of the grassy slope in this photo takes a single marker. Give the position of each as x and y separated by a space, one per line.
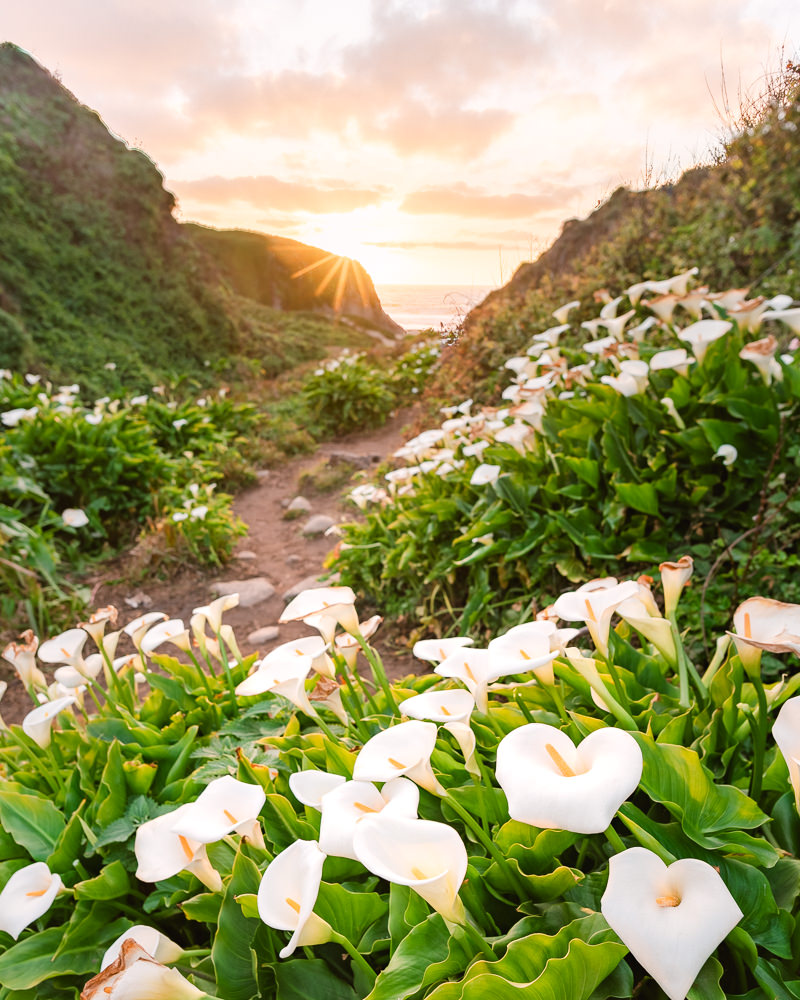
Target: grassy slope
94 268
738 221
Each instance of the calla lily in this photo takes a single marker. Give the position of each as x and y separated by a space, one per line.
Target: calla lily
485 474
727 454
213 612
401 750
38 723
674 577
313 646
22 657
162 853
173 631
225 806
451 709
288 892
675 359
436 650
654 628
156 944
287 678
595 607
552 784
624 384
699 335
786 732
663 305
136 975
524 648
762 623
474 668
348 646
551 335
64 648
309 787
346 806
324 608
26 896
74 517
791 317
96 625
762 354
137 629
428 857
562 312
671 918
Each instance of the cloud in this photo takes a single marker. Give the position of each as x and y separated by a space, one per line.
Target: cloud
266 192
472 202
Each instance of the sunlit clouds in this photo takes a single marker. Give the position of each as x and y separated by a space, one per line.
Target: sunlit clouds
402 133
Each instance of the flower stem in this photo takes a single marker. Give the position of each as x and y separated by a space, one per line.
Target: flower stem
477 940
377 672
358 959
614 839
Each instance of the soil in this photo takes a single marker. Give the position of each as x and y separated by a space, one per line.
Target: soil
274 547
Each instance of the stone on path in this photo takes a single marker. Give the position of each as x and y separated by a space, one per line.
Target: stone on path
252 591
293 559
299 504
318 524
269 633
310 583
245 554
350 458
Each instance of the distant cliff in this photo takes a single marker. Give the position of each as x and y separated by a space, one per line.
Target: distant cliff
95 270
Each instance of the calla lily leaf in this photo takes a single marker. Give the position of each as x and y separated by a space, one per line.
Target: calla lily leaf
231 952
571 964
675 777
34 822
541 888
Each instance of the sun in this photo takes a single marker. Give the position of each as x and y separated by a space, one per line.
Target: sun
339 235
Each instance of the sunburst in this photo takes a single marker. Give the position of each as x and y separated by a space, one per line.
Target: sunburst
343 267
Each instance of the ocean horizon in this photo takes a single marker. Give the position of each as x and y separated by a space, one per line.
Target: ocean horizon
435 307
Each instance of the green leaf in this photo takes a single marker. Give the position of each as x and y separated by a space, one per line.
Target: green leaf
544 967
68 846
310 979
112 792
30 961
111 883
34 823
674 776
640 496
706 986
425 946
350 913
231 952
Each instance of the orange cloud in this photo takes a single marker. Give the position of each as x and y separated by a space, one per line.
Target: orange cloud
265 192
472 202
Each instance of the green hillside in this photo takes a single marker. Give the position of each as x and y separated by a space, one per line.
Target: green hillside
94 269
737 220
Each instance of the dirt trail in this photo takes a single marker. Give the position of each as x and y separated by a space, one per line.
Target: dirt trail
274 548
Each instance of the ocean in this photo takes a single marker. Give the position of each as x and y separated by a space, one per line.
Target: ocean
436 307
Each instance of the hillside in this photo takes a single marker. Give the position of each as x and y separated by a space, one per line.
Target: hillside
738 220
95 270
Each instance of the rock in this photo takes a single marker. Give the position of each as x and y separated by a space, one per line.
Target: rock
318 524
350 458
292 559
245 554
262 474
299 504
139 600
269 633
252 591
310 583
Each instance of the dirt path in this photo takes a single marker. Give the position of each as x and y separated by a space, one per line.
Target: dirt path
274 548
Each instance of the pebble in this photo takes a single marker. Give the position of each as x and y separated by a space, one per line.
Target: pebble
293 560
269 633
252 591
245 554
318 524
299 503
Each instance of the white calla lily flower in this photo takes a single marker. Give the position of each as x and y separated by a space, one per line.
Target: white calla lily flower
452 710
428 857
436 650
670 917
552 784
525 648
225 806
136 975
309 787
213 612
288 892
562 312
324 608
26 896
655 629
156 944
401 750
347 805
286 677
162 853
763 623
38 723
786 733
595 606
137 629
67 647
699 335
173 631
674 577
22 657
310 645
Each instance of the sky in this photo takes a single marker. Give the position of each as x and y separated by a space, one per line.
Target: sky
435 141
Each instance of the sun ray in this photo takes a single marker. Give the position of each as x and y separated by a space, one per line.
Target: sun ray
311 267
341 284
329 277
362 287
